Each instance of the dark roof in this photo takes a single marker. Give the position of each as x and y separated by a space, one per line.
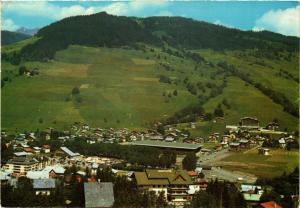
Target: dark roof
249 118
22 161
99 194
173 145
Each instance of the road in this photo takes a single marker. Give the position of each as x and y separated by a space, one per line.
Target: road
212 158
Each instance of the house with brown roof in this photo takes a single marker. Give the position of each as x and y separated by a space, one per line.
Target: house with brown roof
174 184
249 123
46 148
272 126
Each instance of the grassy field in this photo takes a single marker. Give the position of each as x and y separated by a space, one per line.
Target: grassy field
260 165
121 88
244 100
118 88
18 45
267 73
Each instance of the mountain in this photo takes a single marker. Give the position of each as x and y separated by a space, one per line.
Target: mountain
8 37
28 31
134 72
102 29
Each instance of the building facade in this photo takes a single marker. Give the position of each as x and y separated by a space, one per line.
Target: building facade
173 183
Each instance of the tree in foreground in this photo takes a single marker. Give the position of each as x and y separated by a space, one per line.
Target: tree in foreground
190 161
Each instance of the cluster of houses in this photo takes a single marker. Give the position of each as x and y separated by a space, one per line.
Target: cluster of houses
249 134
112 135
24 164
178 186
252 195
46 168
48 171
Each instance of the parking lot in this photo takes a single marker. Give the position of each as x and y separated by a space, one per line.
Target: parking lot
211 159
222 174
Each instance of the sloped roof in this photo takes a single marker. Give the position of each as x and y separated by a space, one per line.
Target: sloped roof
22 161
98 194
46 146
56 168
142 179
43 183
162 177
181 177
173 145
244 141
69 152
234 144
192 173
37 174
19 154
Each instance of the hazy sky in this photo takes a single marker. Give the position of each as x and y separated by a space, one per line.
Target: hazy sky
281 17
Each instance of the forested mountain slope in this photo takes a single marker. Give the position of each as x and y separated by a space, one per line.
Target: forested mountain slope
8 37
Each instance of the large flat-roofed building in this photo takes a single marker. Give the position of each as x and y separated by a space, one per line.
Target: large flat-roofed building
174 184
21 165
169 145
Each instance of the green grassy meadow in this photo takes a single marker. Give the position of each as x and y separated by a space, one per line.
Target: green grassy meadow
121 88
267 73
260 165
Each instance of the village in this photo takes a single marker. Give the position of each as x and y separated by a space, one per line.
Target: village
48 164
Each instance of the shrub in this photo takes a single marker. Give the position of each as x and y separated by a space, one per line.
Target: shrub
75 91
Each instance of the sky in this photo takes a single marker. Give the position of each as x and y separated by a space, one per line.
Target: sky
277 16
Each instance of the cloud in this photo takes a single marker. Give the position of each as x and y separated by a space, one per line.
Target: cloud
257 29
119 8
57 12
45 9
165 14
8 24
142 4
219 22
281 21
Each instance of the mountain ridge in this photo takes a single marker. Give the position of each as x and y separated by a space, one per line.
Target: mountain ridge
28 31
9 37
102 29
